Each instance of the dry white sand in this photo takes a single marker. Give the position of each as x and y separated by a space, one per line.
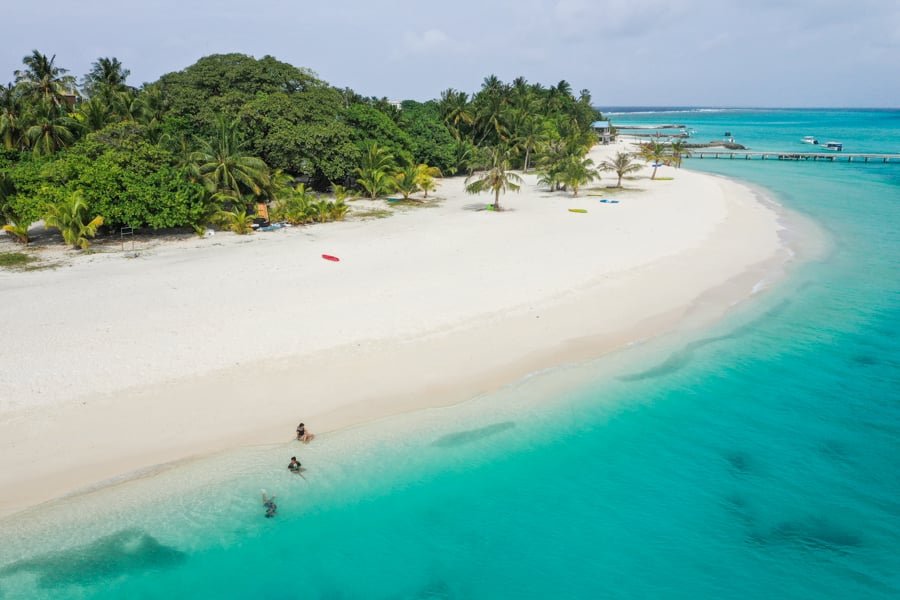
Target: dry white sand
111 364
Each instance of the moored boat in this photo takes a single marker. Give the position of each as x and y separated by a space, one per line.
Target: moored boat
836 146
809 139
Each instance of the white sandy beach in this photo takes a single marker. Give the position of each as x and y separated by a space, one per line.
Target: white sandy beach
112 364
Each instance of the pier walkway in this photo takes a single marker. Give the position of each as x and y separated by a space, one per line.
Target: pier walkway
814 156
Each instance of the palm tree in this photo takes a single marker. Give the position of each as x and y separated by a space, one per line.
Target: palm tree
183 149
10 116
51 129
376 172
295 207
106 75
339 210
550 179
558 95
407 181
679 151
462 157
125 103
425 177
19 230
455 111
553 161
492 86
280 185
238 219
152 104
42 80
70 217
622 164
322 210
578 172
341 193
496 177
527 135
94 114
490 118
655 153
224 168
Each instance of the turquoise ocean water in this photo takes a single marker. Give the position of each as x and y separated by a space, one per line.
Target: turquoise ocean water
758 458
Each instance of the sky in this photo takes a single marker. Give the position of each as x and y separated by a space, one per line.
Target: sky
761 53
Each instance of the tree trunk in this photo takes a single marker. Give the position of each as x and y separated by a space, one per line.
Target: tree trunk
653 176
527 152
497 199
619 183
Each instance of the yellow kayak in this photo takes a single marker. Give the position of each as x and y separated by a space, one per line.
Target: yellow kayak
578 210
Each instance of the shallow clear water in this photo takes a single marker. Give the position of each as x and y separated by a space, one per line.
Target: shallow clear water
758 458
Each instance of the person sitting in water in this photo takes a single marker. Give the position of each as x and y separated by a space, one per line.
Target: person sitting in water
269 503
303 435
294 466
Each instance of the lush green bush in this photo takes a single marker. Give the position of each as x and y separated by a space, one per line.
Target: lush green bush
127 180
302 207
430 140
370 125
23 202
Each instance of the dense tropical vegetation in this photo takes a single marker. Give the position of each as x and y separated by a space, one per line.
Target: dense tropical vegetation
214 141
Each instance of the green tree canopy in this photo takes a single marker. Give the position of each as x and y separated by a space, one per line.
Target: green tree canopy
221 84
430 140
302 133
370 125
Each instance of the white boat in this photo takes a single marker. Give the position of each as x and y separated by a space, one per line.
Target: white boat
809 139
836 146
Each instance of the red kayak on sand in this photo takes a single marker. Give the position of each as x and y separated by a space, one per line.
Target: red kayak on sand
330 257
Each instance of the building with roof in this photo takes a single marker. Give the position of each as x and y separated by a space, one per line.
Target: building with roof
604 131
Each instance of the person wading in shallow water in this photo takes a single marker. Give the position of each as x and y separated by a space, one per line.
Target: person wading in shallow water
269 503
294 466
303 435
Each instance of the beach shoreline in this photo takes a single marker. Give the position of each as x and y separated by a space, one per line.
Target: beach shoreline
715 243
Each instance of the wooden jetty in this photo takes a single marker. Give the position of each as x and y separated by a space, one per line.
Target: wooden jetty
654 131
813 156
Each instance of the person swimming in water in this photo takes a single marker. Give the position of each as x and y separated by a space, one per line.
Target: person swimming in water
269 503
294 466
